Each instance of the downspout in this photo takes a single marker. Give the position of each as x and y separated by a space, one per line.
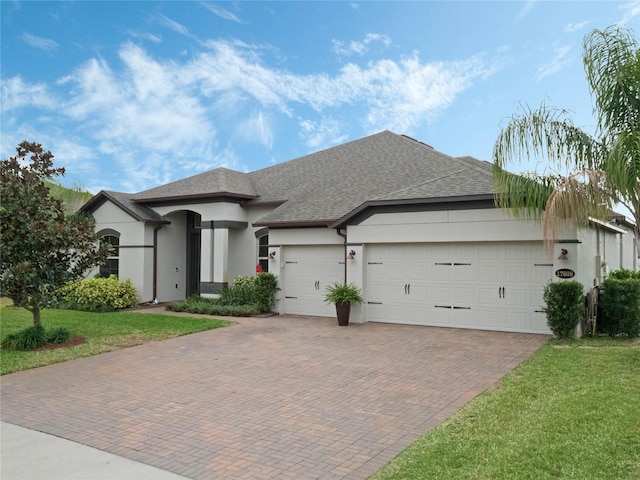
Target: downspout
155 262
344 235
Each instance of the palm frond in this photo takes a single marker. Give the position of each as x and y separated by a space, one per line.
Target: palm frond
546 134
574 200
612 66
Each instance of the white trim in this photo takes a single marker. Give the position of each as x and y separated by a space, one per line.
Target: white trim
606 225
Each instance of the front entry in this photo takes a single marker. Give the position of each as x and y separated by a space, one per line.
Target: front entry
193 254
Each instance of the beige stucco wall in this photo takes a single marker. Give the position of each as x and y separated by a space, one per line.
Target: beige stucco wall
136 247
490 225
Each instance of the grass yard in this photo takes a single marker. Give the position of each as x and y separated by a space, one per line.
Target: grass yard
570 411
103 332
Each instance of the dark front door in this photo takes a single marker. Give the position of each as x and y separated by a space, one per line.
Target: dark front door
193 254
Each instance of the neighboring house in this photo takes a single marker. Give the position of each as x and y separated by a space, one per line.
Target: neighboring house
415 228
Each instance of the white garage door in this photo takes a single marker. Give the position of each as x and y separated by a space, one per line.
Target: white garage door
490 286
306 274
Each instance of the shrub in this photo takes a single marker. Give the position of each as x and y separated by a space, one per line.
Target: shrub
564 307
624 274
212 306
255 290
265 285
619 312
58 335
99 294
240 293
27 339
249 295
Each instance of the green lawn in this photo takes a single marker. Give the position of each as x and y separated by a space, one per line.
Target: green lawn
103 332
570 411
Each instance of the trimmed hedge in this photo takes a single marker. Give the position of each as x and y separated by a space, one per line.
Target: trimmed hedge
619 304
98 295
564 307
212 306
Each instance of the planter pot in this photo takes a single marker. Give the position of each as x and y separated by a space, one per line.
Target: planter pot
343 310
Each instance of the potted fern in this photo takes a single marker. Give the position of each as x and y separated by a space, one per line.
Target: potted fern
342 295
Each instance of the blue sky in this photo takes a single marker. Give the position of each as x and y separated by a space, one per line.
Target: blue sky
131 95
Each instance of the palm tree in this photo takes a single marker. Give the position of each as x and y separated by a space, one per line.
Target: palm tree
586 175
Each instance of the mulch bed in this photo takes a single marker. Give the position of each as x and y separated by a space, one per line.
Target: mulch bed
71 343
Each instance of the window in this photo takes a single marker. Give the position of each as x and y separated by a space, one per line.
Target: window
112 265
263 252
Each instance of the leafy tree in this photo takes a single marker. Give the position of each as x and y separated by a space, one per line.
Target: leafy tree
42 246
587 175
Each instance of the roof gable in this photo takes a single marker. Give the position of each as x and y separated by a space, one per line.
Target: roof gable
214 183
125 202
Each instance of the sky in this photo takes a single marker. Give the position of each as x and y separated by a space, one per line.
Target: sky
131 95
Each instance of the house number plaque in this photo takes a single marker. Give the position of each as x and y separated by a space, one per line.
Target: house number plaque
565 273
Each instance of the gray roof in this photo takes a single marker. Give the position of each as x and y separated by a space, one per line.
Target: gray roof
327 185
125 202
320 188
214 183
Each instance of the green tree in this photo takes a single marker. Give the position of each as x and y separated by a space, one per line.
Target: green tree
585 175
42 246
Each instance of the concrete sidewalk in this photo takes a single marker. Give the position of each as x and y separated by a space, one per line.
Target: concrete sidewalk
29 455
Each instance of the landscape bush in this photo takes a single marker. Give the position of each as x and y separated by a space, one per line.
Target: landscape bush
212 306
28 339
32 338
98 295
249 295
619 304
564 306
58 335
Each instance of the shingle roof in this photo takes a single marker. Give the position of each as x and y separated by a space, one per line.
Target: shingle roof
218 182
126 203
326 185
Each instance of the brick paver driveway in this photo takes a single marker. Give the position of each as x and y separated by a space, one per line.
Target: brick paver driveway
282 397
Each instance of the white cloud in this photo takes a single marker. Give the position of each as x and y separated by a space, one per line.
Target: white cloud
256 128
525 9
359 48
146 36
631 10
173 25
18 94
574 27
222 12
323 133
158 120
40 43
561 59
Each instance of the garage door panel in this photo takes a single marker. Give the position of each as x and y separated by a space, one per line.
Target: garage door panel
307 272
514 320
465 295
494 286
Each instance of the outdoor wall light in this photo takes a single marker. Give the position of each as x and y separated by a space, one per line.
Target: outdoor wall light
563 254
272 255
352 255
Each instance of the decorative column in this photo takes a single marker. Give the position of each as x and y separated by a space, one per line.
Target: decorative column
220 259
214 258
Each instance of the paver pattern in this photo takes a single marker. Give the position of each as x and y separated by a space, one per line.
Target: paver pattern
282 397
